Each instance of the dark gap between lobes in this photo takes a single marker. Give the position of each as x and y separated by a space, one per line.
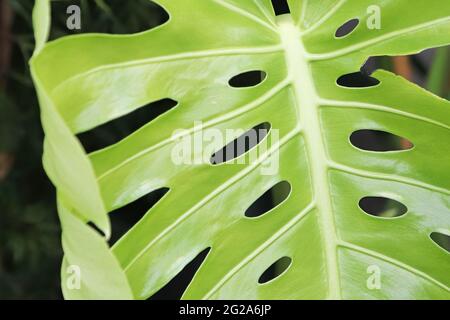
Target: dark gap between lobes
280 7
177 286
146 15
118 129
123 219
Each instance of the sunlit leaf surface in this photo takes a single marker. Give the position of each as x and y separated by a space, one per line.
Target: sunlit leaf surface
319 240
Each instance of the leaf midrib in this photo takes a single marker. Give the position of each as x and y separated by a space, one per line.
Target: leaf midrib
308 104
298 68
298 62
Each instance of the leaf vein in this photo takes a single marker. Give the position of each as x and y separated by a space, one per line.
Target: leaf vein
213 194
393 261
376 40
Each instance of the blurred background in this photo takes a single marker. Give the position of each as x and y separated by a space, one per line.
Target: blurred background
30 250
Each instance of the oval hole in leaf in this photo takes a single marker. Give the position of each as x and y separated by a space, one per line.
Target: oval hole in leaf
175 288
357 80
275 270
347 28
379 141
269 200
242 144
123 219
382 207
118 129
442 240
248 79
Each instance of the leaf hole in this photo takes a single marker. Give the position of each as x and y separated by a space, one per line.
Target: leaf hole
347 28
280 7
269 200
379 141
382 207
123 219
442 240
174 289
275 270
357 80
118 129
248 79
242 144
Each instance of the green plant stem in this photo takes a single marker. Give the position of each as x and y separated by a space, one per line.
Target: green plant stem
438 77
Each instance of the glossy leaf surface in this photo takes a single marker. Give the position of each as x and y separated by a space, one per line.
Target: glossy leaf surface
335 249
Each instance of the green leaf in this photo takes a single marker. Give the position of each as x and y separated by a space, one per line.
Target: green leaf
336 249
41 23
86 250
71 172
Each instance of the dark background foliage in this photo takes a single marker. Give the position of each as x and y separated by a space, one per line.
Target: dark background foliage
30 250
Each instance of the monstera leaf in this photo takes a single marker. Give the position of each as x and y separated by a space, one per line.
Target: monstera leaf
322 237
